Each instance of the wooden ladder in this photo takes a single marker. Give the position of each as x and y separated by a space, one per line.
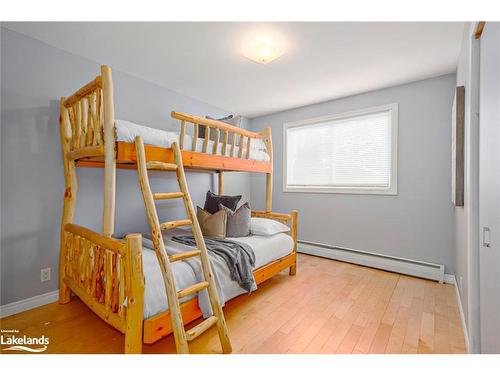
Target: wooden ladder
181 336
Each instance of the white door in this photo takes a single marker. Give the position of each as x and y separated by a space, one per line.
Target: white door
489 187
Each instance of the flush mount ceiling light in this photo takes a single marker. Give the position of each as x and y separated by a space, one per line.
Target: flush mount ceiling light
262 49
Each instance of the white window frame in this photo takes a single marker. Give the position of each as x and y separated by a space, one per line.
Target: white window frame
393 184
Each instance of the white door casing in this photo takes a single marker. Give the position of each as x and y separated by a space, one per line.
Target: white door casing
489 188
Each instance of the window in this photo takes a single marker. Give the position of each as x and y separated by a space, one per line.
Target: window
353 153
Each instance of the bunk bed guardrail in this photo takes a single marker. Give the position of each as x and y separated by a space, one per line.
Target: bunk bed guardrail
240 138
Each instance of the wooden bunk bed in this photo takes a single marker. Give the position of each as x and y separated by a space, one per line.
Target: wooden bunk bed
106 273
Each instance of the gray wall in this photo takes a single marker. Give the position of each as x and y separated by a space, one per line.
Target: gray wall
33 77
418 222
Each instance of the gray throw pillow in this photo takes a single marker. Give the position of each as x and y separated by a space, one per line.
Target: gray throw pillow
238 222
212 202
231 120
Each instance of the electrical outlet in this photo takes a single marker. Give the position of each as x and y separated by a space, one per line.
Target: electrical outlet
45 275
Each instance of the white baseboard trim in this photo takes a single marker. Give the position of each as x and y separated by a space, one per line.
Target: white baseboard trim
28 303
449 279
404 266
462 315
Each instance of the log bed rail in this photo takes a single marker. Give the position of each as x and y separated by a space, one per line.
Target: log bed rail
106 273
221 156
231 149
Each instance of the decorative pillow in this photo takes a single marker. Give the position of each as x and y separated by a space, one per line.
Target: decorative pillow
257 143
238 222
231 120
213 200
212 225
266 227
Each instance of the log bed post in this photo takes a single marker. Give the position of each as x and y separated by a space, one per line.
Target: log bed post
220 189
269 192
135 294
108 215
71 189
269 176
294 223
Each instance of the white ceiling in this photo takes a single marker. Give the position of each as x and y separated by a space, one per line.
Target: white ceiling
204 60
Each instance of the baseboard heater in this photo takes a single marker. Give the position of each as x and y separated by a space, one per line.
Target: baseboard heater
404 266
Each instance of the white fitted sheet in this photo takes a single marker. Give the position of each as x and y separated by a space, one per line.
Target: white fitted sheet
126 131
266 249
155 299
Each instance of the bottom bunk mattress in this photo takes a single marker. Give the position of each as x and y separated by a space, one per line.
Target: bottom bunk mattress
186 273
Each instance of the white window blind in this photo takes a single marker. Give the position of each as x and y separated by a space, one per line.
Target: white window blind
342 153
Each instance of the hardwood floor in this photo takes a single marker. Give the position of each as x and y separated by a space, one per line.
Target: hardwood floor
328 307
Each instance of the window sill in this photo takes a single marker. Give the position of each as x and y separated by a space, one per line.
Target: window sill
326 190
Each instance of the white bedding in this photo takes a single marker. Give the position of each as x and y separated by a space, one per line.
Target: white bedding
126 131
266 250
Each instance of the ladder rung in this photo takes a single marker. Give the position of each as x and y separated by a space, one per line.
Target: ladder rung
192 289
200 328
175 224
184 255
160 166
159 196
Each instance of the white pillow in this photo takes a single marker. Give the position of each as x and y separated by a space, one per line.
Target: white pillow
266 227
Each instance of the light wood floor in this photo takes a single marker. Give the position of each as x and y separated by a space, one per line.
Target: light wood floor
328 307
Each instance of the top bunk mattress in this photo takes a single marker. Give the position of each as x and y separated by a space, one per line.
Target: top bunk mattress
126 131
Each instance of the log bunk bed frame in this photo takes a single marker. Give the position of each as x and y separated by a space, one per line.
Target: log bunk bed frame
105 272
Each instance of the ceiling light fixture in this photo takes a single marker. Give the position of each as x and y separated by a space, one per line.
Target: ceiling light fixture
262 49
